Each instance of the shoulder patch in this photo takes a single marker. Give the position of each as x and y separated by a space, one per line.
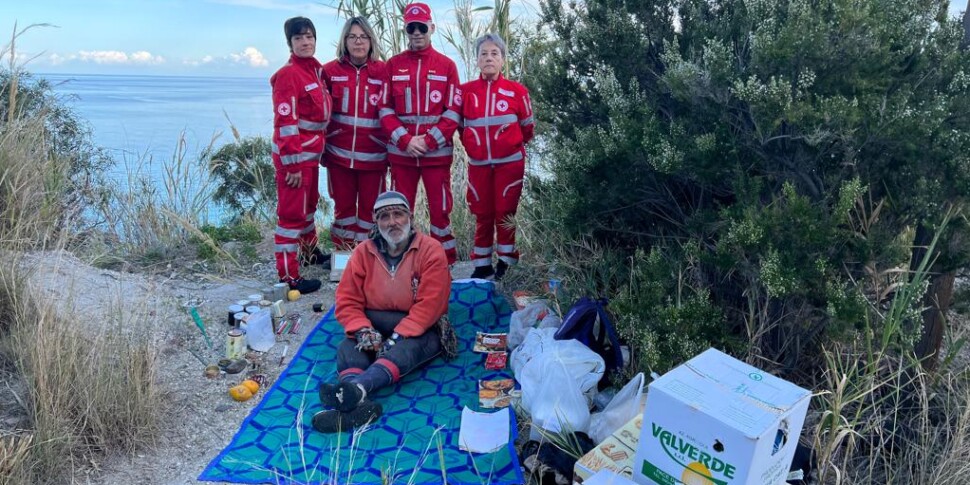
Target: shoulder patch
283 109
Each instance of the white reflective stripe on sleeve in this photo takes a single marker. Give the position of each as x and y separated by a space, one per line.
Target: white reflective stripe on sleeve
449 244
352 121
441 232
287 248
308 229
397 134
299 157
361 236
290 233
312 125
309 217
527 121
386 112
362 156
437 135
451 115
289 130
511 158
482 251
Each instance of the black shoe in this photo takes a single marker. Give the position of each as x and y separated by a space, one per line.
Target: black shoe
304 285
333 421
500 269
483 272
344 397
317 257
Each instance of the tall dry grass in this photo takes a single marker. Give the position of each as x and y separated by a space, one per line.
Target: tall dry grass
84 387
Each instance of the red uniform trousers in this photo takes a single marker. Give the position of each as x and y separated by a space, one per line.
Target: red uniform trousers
295 229
493 197
353 192
437 186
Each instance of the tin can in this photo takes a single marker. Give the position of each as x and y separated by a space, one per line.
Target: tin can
251 309
279 291
242 303
233 310
255 298
238 318
264 303
235 344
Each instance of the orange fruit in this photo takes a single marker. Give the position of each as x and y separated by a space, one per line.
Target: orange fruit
240 393
252 385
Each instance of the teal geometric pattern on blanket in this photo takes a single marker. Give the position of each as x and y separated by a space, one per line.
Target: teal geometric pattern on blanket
419 428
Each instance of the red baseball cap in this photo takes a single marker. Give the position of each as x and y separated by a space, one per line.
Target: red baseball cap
417 12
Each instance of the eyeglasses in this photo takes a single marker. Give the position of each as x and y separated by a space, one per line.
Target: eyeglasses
358 38
423 28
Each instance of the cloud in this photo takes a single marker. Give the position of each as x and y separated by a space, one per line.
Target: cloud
109 57
283 6
250 56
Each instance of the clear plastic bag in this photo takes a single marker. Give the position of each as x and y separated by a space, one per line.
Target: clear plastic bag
535 315
624 406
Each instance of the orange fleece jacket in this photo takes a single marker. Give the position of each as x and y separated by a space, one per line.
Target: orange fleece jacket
420 286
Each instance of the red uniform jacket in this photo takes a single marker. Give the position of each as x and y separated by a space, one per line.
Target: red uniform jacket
355 139
421 98
419 286
497 121
302 110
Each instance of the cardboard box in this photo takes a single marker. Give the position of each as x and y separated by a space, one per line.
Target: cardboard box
614 453
718 421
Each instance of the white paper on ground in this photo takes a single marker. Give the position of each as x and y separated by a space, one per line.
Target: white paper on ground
483 432
259 331
607 477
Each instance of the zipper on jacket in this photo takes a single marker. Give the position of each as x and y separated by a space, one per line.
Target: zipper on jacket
417 97
489 106
353 141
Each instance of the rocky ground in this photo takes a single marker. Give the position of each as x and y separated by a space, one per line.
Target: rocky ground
199 418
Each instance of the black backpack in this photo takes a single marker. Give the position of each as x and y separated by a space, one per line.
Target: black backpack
588 322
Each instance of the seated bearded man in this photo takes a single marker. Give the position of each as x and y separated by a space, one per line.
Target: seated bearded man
392 302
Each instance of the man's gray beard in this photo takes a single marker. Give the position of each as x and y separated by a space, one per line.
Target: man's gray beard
396 245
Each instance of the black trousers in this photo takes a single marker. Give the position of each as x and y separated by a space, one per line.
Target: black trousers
373 372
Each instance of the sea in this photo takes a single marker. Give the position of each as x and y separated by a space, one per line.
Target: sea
144 122
137 117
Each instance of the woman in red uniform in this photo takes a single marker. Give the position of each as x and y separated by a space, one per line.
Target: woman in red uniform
301 111
498 122
356 152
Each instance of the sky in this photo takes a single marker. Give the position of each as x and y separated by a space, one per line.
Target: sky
178 37
170 37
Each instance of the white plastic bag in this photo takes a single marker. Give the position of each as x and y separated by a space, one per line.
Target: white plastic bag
535 315
537 341
259 331
624 406
558 379
557 404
